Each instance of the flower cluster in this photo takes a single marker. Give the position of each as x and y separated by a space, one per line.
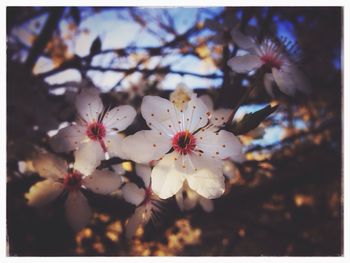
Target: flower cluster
183 154
185 143
275 57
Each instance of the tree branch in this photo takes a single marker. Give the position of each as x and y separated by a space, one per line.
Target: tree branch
44 37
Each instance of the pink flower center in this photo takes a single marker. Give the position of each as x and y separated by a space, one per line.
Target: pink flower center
271 61
184 142
72 181
96 131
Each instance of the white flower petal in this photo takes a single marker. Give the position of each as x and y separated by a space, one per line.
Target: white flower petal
222 144
206 204
78 211
196 114
114 145
243 41
160 115
208 180
134 221
133 194
144 171
68 138
284 81
102 182
290 79
245 63
119 117
89 105
166 179
208 101
43 192
268 83
88 157
146 146
220 117
301 82
50 166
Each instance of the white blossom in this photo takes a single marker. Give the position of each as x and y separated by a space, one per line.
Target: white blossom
146 202
221 28
58 178
198 147
95 132
275 57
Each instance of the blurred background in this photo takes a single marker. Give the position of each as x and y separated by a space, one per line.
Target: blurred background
286 199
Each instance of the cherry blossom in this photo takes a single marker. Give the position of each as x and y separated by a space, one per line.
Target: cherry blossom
222 28
276 57
147 203
59 179
188 199
197 147
95 133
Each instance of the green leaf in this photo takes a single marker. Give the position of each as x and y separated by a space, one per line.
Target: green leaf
251 120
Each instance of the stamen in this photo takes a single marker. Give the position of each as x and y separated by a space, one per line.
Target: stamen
96 131
184 142
72 181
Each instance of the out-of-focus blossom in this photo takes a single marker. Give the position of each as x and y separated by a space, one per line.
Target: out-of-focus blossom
198 147
144 199
181 95
221 29
187 199
95 132
135 88
275 57
59 178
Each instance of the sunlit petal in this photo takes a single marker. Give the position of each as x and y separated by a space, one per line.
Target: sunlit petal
208 179
43 192
50 166
166 179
